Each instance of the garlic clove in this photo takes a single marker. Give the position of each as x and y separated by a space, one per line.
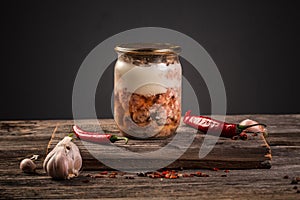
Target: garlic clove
57 166
77 165
27 166
47 159
76 158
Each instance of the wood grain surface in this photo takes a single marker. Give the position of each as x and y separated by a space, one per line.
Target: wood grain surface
20 139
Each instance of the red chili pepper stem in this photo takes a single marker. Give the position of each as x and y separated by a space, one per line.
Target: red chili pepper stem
115 138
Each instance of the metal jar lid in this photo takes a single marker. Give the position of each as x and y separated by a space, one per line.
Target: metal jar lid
148 48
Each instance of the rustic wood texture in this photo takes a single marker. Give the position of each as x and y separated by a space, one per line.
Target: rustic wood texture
20 139
227 153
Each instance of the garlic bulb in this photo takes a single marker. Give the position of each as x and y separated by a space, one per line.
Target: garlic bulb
27 166
64 161
255 129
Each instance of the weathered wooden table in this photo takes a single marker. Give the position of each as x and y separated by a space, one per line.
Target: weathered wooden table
20 139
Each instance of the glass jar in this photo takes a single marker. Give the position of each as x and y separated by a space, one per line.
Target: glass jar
147 90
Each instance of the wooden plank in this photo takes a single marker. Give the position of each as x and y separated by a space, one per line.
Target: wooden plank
227 153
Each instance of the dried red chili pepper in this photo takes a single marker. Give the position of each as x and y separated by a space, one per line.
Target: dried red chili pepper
243 136
173 176
204 124
96 137
198 174
104 173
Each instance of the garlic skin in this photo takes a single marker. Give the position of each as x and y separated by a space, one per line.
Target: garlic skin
64 161
255 129
27 166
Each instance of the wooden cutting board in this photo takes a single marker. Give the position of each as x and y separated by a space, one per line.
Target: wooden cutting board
226 154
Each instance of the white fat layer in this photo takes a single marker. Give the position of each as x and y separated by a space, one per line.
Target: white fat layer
147 80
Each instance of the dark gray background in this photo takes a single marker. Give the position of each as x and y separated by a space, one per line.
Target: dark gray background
254 44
